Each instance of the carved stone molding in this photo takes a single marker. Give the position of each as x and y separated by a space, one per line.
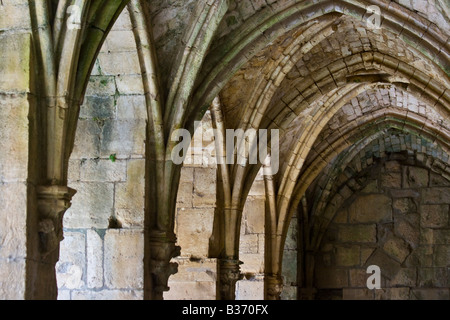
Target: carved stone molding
53 202
274 286
229 274
162 250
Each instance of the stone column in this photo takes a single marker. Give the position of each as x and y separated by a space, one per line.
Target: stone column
228 274
162 249
53 202
273 286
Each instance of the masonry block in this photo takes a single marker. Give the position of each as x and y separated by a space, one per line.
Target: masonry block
124 253
92 206
371 208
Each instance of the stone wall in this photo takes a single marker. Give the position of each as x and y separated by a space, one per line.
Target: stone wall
196 204
399 222
102 254
19 256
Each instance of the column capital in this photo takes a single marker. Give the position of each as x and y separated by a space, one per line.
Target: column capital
163 248
53 201
229 274
273 286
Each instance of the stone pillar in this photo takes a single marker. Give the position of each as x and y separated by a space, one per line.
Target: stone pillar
162 249
228 274
273 286
53 202
47 229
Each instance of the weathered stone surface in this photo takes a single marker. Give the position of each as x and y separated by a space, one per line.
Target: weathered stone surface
129 196
371 208
422 256
98 108
357 294
87 139
131 107
289 293
347 256
185 194
371 187
204 188
341 216
15 54
406 277
442 255
291 237
13 230
408 231
194 229
441 236
253 263
92 206
103 170
415 177
130 84
119 40
392 294
393 166
249 243
432 277
101 86
190 270
430 294
391 180
13 17
108 295
434 216
358 233
64 295
250 290
94 259
404 206
290 267
254 216
123 138
119 63
358 278
397 248
438 181
258 188
71 267
389 267
197 290
12 279
14 138
292 73
436 195
124 252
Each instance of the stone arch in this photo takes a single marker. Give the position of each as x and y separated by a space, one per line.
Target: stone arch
400 216
391 21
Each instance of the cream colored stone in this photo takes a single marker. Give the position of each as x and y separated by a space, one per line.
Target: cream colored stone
123 261
14 55
92 206
194 228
